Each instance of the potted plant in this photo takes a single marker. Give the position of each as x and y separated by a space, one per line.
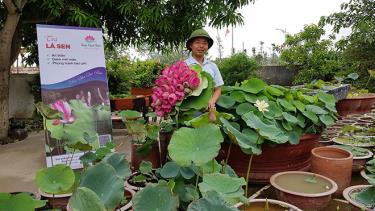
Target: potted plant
358 136
144 135
362 196
369 171
138 180
101 183
267 204
358 101
308 191
193 180
269 120
145 74
20 201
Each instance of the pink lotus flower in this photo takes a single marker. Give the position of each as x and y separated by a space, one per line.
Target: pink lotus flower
194 82
64 108
175 83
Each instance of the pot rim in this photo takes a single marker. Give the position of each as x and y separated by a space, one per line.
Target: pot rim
364 174
346 194
354 145
53 195
130 203
315 152
272 201
311 195
369 153
366 96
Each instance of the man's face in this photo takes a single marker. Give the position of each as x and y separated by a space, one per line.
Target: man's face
199 46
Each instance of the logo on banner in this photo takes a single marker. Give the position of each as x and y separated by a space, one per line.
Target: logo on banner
90 42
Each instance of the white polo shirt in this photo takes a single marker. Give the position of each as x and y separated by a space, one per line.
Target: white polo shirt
210 68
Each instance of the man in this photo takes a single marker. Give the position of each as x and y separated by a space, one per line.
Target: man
198 44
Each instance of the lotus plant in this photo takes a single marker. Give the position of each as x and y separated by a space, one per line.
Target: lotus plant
175 83
64 108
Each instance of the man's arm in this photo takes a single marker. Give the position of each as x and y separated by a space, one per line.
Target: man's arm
214 98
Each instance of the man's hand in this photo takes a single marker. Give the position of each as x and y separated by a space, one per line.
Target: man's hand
211 104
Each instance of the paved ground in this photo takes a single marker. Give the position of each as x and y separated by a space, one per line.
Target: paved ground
19 161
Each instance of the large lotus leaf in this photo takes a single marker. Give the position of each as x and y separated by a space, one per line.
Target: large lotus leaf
170 170
331 107
239 96
290 118
119 163
185 192
226 101
85 199
288 106
244 108
274 111
274 91
308 98
202 85
212 201
17 202
251 98
201 101
268 131
286 125
130 115
294 137
198 145
103 180
299 105
366 196
188 172
327 120
311 115
301 120
243 140
230 188
204 119
253 85
326 98
47 112
211 167
57 179
155 197
315 109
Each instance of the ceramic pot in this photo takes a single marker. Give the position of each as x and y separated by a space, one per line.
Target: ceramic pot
259 204
274 159
129 193
136 91
359 162
364 174
121 104
56 201
355 105
153 156
301 193
334 163
349 195
136 187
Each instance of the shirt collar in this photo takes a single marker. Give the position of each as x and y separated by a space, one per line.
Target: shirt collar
192 60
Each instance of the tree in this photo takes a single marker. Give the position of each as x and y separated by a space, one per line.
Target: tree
358 48
162 24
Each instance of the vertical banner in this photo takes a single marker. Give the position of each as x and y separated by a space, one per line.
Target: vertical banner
74 82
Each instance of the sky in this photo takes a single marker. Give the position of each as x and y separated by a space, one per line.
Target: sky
265 19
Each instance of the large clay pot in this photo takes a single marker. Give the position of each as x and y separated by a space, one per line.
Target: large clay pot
141 91
334 163
292 187
355 105
153 156
274 159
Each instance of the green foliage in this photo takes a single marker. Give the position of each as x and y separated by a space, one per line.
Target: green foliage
359 47
314 56
58 179
124 74
20 201
237 68
118 76
211 201
274 114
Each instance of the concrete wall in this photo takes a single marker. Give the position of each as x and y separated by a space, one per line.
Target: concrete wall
21 101
279 75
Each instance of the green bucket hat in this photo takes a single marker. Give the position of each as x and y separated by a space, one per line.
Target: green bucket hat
199 33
